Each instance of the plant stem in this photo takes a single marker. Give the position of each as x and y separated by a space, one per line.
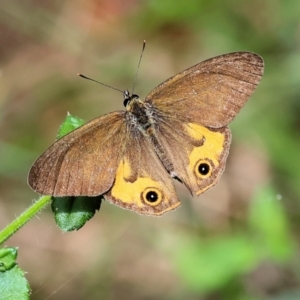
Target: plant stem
20 221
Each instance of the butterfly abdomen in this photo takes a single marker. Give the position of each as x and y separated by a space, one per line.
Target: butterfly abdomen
142 117
160 151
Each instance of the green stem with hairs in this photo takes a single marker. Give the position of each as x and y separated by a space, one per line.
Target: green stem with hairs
20 221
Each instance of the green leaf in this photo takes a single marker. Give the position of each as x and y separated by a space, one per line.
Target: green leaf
71 213
269 222
13 284
8 258
69 124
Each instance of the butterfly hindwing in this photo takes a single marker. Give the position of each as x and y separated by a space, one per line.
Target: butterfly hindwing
198 154
142 184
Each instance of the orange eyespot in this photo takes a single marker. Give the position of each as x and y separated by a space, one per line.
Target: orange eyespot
203 169
151 196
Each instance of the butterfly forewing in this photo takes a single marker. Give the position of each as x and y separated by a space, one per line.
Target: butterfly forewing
84 162
212 92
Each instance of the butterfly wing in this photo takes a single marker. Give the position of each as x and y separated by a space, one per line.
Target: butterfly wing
83 162
142 183
198 154
106 156
212 92
192 110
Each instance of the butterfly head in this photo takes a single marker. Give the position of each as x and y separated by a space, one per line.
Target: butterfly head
128 98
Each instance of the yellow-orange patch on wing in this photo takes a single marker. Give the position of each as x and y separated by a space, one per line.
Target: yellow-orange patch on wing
130 192
211 149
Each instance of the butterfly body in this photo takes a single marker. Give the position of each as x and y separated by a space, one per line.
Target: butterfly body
143 116
179 131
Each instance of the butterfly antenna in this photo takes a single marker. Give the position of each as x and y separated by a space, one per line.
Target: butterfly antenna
80 75
137 71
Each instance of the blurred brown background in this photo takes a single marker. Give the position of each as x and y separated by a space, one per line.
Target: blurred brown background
237 241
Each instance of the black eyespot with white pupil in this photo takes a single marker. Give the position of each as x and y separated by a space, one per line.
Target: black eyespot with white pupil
203 169
152 196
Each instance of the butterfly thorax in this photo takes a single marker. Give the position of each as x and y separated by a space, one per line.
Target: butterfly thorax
140 115
139 112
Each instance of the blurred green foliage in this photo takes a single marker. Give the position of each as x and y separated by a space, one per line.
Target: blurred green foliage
210 263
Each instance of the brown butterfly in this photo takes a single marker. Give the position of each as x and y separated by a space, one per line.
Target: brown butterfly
179 131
